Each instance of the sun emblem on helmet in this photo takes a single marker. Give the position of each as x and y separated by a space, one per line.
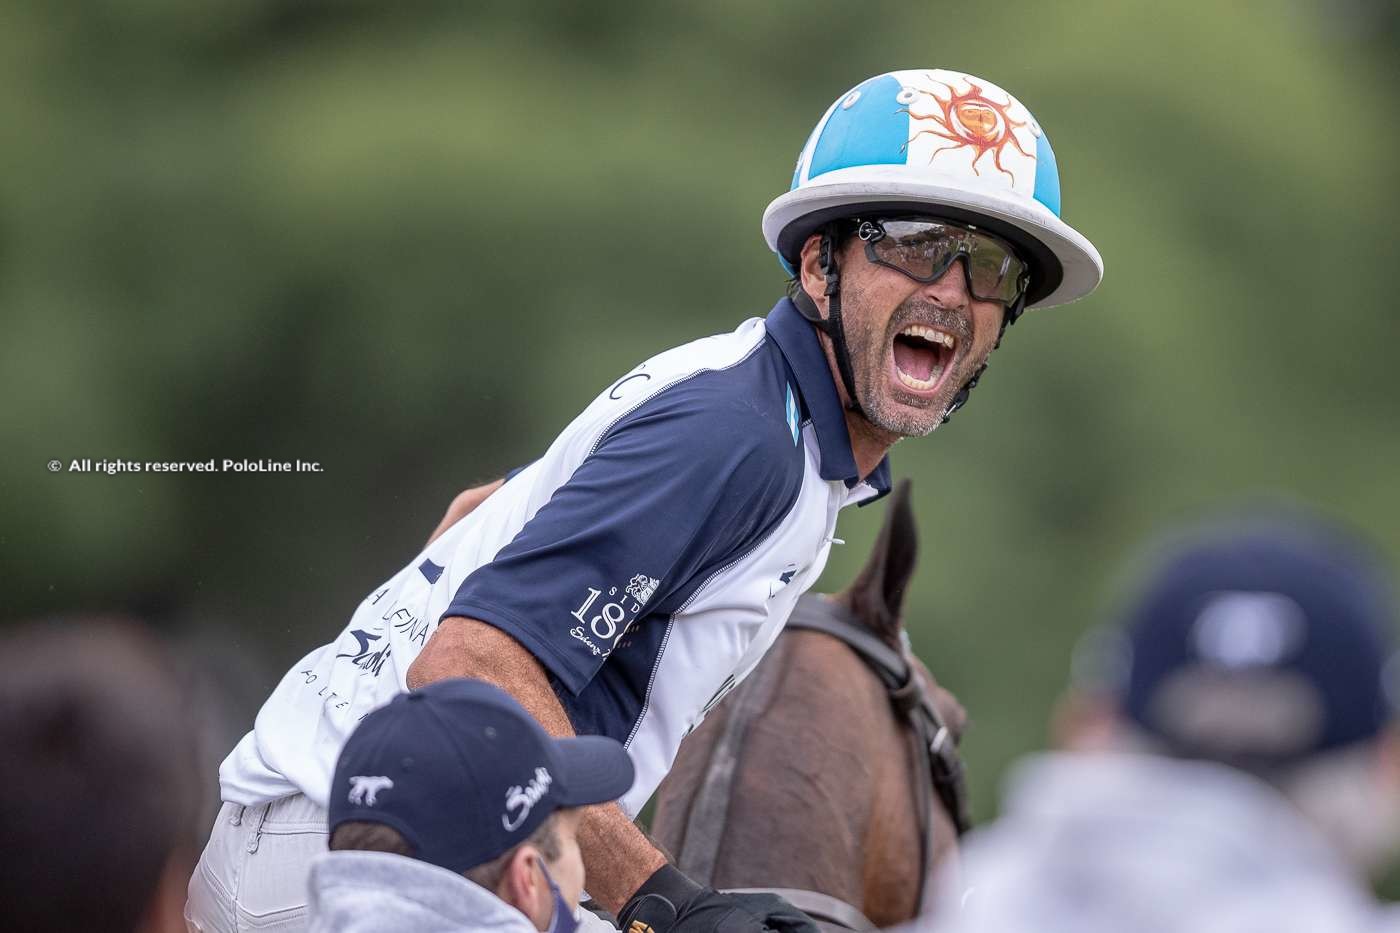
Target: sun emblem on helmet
967 119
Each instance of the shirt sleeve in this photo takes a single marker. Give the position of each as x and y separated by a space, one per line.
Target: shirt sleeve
670 494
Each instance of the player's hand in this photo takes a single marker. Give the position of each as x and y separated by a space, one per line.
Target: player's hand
461 506
669 902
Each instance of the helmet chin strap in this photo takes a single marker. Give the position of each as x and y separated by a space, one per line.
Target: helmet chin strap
831 324
832 327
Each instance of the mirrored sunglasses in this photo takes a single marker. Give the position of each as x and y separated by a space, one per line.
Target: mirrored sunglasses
923 249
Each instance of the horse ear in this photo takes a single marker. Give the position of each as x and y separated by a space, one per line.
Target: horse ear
876 597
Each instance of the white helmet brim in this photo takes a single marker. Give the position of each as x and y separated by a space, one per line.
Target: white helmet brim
1077 267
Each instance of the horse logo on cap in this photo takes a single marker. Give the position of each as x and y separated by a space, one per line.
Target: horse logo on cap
364 790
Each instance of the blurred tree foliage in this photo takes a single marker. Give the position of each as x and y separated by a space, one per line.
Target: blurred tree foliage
408 240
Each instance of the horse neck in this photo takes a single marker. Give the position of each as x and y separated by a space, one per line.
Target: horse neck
820 796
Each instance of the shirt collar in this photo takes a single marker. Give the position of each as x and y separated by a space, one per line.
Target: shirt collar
796 338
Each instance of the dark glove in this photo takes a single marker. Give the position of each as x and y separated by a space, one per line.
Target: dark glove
669 902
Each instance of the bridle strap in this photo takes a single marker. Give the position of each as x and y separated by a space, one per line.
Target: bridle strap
923 810
823 908
820 615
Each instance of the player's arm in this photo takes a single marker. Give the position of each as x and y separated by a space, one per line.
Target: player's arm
462 505
617 856
466 501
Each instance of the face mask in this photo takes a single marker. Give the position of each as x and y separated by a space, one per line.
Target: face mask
563 920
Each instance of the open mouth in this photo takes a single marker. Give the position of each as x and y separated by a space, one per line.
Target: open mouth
923 356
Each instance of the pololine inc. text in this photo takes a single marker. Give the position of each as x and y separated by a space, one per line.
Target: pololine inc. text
215 465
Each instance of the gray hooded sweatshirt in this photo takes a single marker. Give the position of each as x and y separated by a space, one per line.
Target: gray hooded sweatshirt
1112 843
375 892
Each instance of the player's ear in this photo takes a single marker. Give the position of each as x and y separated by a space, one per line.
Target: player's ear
522 883
809 272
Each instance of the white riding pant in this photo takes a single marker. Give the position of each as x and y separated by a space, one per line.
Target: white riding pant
252 875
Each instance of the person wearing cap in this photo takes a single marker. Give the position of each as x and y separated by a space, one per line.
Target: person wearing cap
1231 761
622 583
451 809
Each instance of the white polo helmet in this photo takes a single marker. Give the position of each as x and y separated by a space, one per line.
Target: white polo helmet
945 143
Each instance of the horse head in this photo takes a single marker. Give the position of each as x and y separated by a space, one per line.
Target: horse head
812 775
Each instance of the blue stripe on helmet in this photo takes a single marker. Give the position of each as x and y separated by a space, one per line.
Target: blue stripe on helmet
872 131
1047 175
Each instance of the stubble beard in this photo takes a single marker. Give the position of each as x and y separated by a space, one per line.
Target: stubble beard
869 347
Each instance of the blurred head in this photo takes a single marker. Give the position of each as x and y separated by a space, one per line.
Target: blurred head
459 775
943 146
101 787
1261 643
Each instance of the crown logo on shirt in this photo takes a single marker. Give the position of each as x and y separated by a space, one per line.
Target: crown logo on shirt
641 587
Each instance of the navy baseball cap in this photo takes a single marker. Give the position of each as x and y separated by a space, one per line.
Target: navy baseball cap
466 774
1259 642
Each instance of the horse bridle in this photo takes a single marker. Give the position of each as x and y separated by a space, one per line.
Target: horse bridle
935 757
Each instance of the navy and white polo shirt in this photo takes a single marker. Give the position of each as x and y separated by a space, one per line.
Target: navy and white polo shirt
648 559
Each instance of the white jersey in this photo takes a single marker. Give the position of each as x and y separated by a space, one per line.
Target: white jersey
647 560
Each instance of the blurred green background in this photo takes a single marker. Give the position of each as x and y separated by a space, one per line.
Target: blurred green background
409 240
